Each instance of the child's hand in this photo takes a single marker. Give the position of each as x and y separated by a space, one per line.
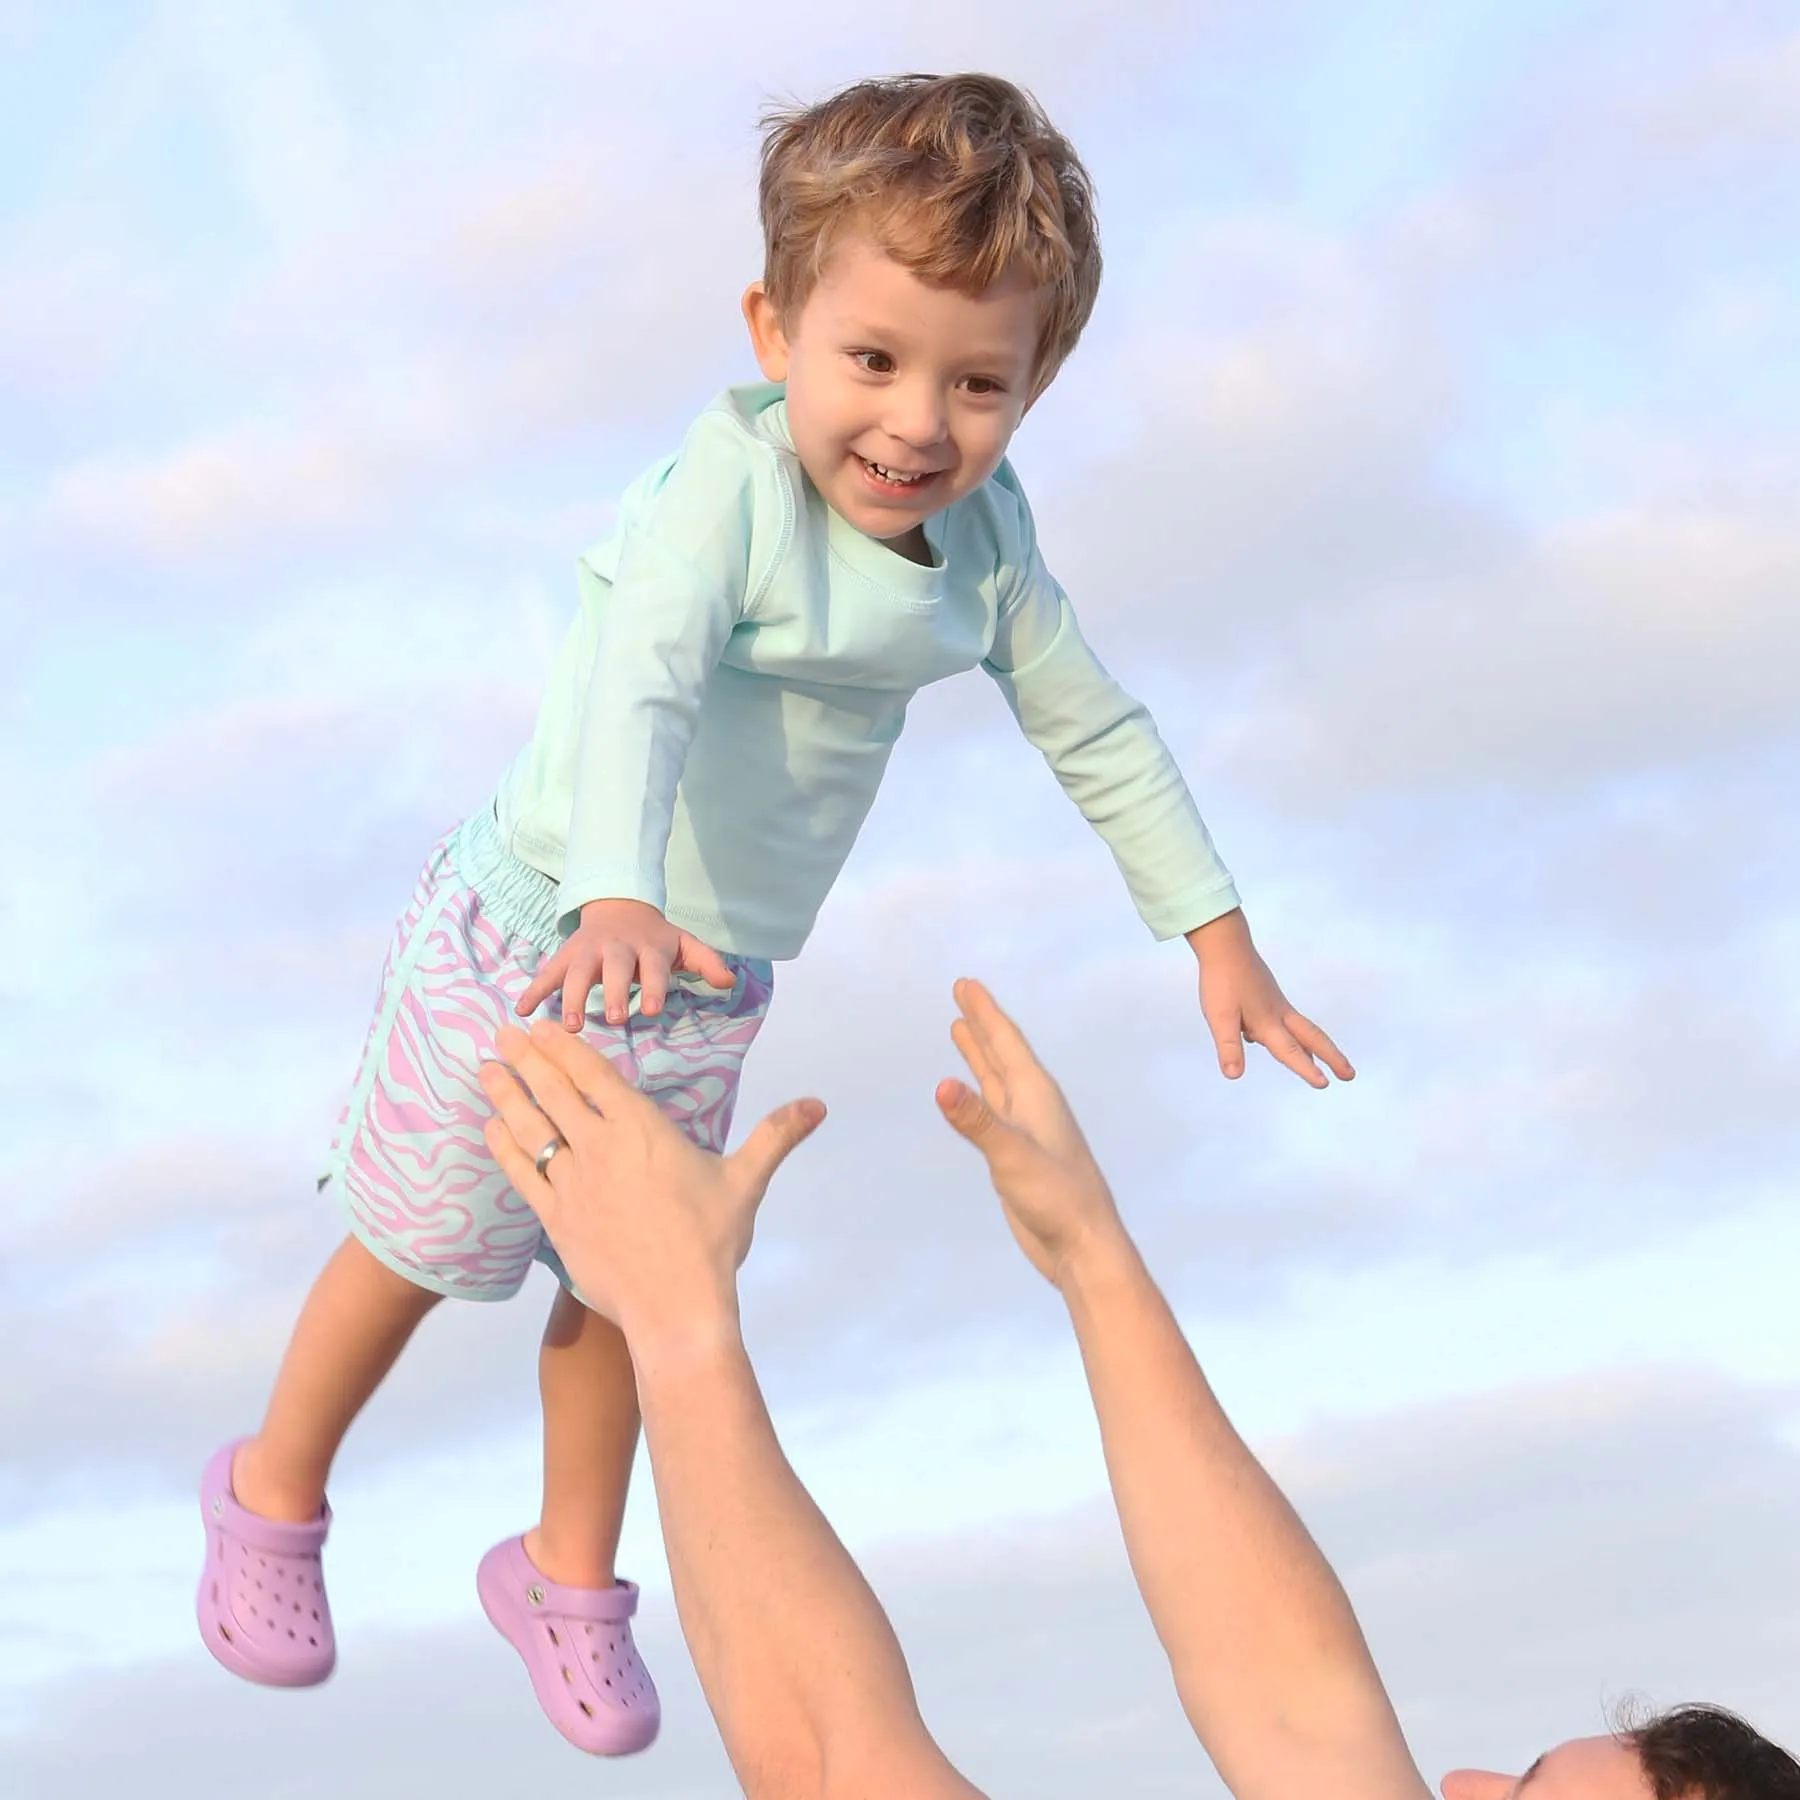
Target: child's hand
619 942
1243 1005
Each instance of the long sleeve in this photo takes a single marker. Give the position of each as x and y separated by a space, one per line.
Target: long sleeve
679 584
1107 754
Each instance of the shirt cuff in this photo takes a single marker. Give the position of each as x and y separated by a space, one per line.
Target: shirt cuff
1173 919
605 881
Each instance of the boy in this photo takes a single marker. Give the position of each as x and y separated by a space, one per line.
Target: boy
716 727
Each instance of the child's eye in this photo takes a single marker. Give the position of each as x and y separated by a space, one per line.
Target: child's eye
873 362
983 386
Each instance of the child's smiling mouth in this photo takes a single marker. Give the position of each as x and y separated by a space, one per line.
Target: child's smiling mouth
887 480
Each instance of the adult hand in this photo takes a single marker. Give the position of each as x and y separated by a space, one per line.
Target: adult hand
620 942
650 1227
1243 1004
1051 1189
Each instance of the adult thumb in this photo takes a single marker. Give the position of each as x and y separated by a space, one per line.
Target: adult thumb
968 1113
767 1147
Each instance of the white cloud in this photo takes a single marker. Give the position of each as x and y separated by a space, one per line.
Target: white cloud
400 329
69 312
1630 645
268 87
1741 95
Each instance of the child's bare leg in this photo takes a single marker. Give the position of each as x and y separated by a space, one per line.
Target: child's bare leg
355 1323
590 1439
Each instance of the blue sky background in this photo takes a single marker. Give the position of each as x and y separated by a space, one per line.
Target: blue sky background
1430 466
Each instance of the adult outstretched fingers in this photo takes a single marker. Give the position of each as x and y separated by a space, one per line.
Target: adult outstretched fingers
516 1133
519 1168
971 1049
998 1053
537 1059
1001 1039
592 1076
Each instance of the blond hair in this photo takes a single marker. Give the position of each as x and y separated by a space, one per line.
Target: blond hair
959 178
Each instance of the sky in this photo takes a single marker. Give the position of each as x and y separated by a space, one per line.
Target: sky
1429 467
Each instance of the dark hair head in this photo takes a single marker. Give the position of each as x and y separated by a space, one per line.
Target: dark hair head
1707 1753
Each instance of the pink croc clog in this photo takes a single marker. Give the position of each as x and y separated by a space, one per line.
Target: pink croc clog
262 1605
577 1647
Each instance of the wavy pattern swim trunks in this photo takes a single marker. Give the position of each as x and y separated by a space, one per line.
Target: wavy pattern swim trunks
410 1166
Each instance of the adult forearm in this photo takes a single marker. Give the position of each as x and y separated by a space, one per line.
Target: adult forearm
1259 1633
797 1659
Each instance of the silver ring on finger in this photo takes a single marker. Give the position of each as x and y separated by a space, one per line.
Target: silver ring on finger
542 1160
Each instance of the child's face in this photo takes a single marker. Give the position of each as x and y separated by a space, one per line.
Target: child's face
901 396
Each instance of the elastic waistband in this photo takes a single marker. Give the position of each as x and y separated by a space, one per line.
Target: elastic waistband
523 901
519 899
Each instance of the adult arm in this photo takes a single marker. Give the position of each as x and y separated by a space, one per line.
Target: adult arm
1269 1661
796 1657
799 1663
1270 1664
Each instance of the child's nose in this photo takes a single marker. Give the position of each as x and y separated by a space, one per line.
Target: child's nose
917 416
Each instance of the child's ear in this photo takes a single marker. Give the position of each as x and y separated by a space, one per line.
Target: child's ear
767 338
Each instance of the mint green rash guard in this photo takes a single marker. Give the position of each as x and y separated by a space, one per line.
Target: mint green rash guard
721 711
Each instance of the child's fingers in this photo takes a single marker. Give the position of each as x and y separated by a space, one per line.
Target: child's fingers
578 977
1228 1039
1321 1046
703 960
1290 1053
618 967
653 982
543 984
